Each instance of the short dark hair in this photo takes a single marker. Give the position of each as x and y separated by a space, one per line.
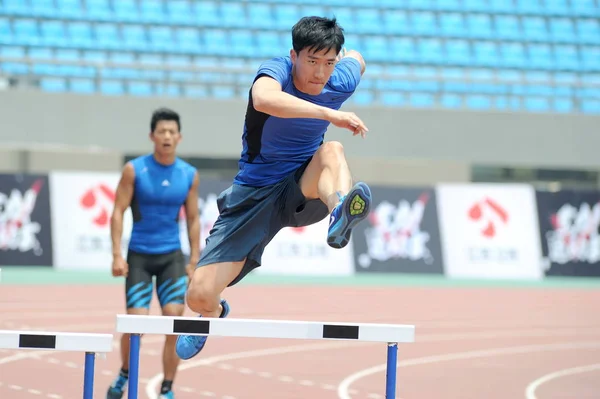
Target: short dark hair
164 114
317 33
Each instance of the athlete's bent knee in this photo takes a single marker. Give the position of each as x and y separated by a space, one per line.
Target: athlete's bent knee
331 151
203 297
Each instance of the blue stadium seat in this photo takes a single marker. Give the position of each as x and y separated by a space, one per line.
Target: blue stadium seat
475 6
242 43
69 9
6 36
402 50
507 27
452 25
82 86
25 32
422 4
216 42
179 12
53 85
206 14
188 40
395 22
160 38
53 33
233 15
449 5
195 91
368 21
562 30
268 44
125 11
556 7
590 59
12 52
540 56
431 51
566 58
98 10
140 89
106 36
501 6
591 106
42 8
458 52
16 7
260 16
534 29
79 35
485 54
480 26
286 16
423 23
513 55
112 88
376 48
585 8
152 11
134 37
529 7
588 31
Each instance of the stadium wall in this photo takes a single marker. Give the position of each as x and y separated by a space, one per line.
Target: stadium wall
213 128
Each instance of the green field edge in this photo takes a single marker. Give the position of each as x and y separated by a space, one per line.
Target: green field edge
29 275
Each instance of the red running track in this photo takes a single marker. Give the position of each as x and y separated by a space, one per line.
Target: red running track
489 343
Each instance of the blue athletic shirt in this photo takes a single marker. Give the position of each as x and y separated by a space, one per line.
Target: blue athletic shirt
159 192
274 147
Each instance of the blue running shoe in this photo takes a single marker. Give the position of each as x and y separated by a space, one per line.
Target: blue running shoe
188 346
353 208
115 391
167 395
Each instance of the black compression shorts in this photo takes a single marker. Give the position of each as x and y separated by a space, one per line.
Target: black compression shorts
171 279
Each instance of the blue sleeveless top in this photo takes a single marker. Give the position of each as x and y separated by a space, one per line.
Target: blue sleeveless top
159 193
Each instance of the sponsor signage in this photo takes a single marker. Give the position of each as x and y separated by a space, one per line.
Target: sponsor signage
25 224
489 231
82 204
400 234
569 225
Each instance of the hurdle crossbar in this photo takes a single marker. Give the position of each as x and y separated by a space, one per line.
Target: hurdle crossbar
137 325
62 342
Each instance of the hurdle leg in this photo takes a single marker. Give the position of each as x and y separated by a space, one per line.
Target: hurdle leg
88 375
390 375
134 365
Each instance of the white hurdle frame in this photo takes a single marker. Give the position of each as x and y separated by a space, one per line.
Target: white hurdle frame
137 325
91 344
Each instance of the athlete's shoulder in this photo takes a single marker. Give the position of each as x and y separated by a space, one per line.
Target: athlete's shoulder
279 68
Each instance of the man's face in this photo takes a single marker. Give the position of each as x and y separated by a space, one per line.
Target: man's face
312 70
165 136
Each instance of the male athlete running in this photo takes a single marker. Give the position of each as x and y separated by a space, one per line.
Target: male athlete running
156 186
287 175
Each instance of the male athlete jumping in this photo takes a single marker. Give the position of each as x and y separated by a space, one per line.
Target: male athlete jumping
287 175
156 186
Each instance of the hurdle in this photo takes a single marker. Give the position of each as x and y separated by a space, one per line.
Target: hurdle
137 325
90 344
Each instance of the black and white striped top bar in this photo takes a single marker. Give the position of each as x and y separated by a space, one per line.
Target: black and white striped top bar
56 341
261 328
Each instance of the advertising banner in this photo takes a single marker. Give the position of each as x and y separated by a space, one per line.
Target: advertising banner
569 223
82 204
401 234
25 225
489 231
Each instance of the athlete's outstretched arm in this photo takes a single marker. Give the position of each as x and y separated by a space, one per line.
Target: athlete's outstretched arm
193 225
268 98
122 201
357 56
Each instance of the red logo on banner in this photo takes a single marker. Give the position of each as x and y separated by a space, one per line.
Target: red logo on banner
489 212
90 200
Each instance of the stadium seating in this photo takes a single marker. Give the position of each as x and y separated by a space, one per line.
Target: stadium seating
532 55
